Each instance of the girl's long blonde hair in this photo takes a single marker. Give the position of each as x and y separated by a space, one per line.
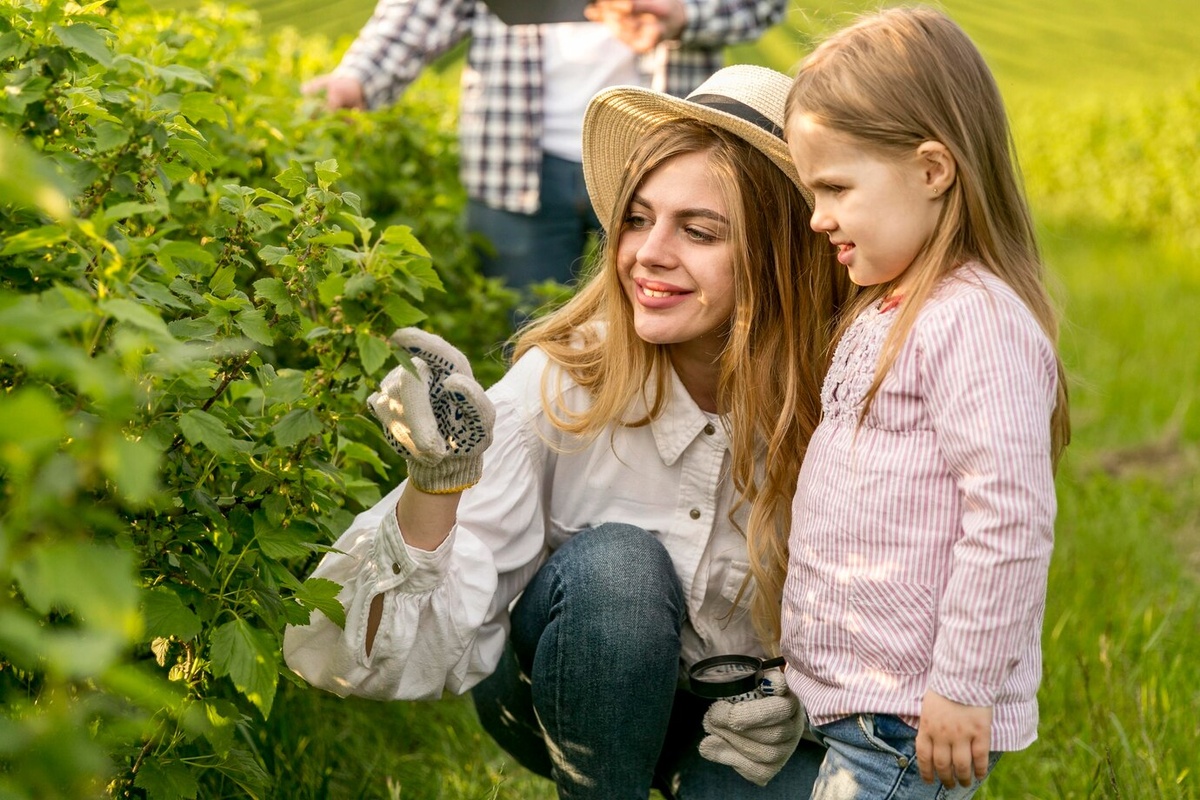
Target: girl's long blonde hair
904 76
788 291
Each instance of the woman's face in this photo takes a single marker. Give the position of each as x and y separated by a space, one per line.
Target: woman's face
674 256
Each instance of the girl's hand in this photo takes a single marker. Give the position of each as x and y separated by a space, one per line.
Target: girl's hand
953 741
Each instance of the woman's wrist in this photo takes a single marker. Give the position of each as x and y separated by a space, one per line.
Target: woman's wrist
426 519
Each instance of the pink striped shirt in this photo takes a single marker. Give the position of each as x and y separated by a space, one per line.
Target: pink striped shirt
921 540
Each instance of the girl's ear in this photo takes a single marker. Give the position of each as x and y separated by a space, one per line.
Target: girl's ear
939 167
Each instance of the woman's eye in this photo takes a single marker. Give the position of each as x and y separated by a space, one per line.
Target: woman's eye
636 222
698 235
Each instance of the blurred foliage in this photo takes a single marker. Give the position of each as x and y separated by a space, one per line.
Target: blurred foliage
198 273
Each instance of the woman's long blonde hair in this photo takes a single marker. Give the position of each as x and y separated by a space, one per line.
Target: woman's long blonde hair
788 291
904 76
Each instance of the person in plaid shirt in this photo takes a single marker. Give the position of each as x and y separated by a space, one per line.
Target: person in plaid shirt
524 90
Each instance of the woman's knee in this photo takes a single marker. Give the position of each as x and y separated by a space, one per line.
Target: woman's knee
620 562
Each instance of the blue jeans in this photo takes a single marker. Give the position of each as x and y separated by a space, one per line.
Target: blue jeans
546 245
874 757
587 692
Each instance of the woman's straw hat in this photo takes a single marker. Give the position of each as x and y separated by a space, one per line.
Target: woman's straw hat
743 99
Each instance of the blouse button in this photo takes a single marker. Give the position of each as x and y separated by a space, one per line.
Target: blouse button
395 568
694 513
710 429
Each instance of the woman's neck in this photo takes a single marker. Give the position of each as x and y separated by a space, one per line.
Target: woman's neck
699 372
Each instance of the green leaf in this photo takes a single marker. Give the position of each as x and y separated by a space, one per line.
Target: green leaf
279 542
401 312
173 73
296 425
166 780
356 451
253 323
249 658
321 594
331 288
223 281
372 351
133 468
85 39
110 136
293 180
136 314
166 615
201 428
286 388
403 236
34 239
198 106
92 581
327 172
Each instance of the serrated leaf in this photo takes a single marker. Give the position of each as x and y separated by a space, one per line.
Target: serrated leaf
133 468
223 281
248 657
401 312
293 180
327 172
295 426
166 615
136 314
200 427
166 780
321 594
356 451
34 239
276 541
403 236
358 285
372 351
253 323
173 73
198 106
85 39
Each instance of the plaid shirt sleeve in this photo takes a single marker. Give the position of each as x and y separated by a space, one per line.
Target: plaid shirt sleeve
401 37
715 23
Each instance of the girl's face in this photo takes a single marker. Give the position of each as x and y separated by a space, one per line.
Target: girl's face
879 212
674 257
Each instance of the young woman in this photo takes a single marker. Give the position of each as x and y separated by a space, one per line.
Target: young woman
615 509
924 513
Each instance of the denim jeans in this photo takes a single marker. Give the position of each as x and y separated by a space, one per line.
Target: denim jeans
587 692
546 245
874 757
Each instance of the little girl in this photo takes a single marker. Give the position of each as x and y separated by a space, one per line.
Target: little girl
924 511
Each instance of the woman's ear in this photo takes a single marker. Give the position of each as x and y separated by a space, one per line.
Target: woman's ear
938 165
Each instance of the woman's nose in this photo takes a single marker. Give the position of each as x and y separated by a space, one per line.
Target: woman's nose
657 249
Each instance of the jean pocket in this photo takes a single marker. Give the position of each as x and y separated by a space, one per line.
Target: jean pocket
894 625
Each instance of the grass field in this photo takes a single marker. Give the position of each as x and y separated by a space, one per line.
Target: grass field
1105 99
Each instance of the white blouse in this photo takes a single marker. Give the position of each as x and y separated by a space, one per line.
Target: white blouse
446 612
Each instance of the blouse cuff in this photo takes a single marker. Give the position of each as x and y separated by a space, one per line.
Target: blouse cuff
398 564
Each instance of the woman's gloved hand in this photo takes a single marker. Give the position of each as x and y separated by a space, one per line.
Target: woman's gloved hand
756 737
435 415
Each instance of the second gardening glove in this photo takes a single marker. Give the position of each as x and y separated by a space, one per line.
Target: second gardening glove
756 737
435 415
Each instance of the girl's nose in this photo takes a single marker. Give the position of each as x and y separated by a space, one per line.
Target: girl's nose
822 220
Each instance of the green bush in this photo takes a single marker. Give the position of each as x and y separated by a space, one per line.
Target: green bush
197 277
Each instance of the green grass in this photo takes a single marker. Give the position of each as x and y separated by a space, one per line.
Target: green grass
1105 97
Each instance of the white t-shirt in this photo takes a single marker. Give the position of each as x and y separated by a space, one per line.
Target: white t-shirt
446 612
579 59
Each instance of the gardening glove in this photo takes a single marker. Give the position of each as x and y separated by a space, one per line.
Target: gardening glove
756 737
435 415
